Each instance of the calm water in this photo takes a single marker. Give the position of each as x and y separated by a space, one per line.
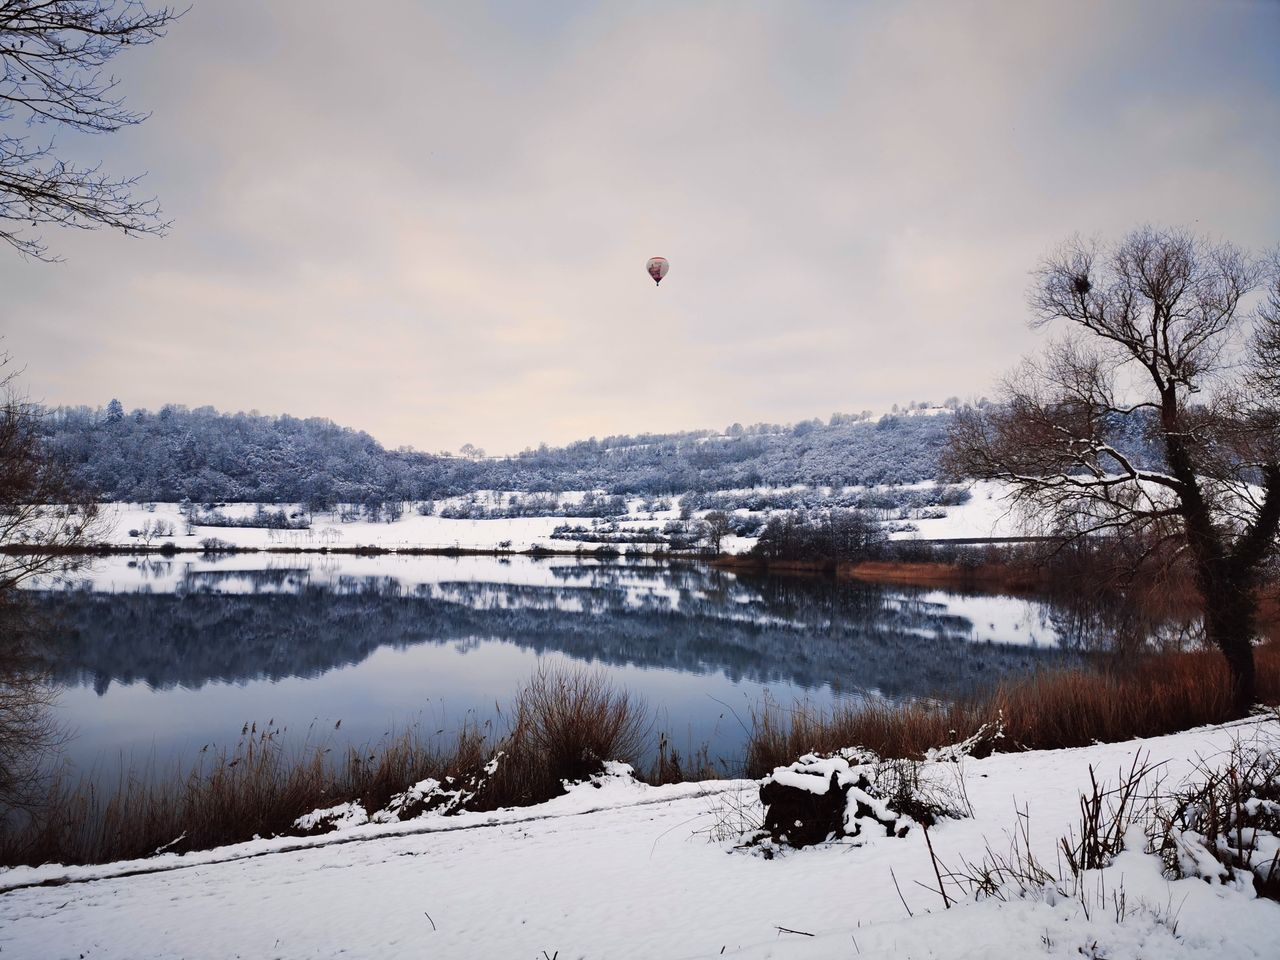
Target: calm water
157 658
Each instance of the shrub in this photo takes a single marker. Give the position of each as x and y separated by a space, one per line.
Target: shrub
1224 825
837 535
262 517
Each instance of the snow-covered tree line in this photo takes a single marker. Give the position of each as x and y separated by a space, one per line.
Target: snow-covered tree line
204 455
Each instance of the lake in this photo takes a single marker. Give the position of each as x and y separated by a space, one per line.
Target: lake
157 658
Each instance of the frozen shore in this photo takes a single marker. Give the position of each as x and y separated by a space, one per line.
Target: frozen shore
619 869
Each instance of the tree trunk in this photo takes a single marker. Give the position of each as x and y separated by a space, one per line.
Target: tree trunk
1230 612
1225 581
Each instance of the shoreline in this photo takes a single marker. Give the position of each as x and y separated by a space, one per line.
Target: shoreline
987 577
169 550
990 578
998 578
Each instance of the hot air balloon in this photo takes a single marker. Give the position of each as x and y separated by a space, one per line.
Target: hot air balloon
657 268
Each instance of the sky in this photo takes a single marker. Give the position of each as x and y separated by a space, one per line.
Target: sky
430 221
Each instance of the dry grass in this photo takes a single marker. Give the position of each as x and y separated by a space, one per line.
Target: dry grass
257 788
671 766
1160 694
564 724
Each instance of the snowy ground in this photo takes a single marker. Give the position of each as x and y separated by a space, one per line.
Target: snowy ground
624 870
411 531
987 514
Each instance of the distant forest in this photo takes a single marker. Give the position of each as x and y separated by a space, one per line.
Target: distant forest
204 456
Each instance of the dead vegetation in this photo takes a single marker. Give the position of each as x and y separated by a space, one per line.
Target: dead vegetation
1223 825
562 725
1158 694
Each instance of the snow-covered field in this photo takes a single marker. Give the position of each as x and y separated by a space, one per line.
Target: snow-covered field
623 870
411 531
987 514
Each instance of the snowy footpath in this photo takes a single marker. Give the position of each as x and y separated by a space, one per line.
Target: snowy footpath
624 870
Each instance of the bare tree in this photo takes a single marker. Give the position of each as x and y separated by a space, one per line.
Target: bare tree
1158 338
155 529
717 526
52 57
44 517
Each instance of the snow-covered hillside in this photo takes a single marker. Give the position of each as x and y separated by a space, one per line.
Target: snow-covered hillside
202 454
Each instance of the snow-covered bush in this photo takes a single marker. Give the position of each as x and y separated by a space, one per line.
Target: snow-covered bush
262 517
1224 825
607 534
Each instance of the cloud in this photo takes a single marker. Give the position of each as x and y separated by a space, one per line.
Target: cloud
432 223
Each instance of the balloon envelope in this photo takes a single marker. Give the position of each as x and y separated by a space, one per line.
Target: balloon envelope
657 268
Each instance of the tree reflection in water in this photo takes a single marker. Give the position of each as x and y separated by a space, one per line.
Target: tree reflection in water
239 625
30 733
184 625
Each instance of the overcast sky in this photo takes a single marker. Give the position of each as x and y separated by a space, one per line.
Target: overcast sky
431 220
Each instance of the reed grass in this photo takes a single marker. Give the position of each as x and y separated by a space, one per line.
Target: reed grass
563 724
1157 694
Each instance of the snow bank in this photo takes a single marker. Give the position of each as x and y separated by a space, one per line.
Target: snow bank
620 870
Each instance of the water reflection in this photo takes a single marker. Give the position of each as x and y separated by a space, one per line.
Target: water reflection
156 658
30 731
187 627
